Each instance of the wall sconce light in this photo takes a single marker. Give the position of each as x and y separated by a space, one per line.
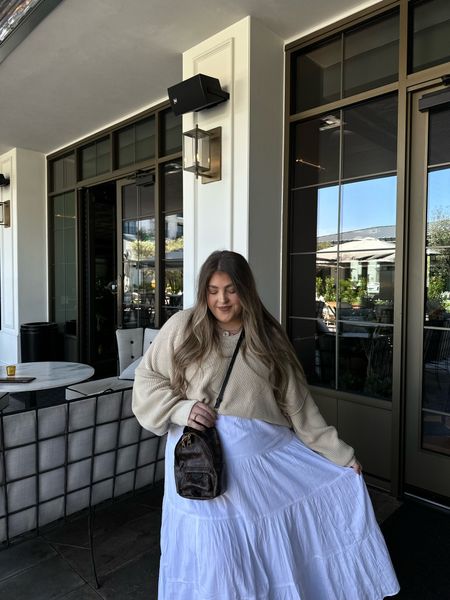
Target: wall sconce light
202 151
4 214
4 181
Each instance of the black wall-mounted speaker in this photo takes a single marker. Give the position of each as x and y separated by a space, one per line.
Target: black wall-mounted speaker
196 93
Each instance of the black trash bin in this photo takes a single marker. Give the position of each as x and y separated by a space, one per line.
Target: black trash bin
39 341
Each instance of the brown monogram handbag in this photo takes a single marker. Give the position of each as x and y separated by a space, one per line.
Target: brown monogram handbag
198 455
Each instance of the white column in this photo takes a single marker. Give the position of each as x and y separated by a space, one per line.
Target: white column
242 212
23 249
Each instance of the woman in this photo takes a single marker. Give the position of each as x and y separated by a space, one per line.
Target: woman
295 521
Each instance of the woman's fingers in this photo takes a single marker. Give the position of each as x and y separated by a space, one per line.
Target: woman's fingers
201 416
357 468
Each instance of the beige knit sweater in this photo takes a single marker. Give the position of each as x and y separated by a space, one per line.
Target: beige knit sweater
248 393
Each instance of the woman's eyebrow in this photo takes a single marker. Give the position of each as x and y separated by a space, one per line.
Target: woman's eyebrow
216 287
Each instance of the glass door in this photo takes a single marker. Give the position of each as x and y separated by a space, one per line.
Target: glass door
427 456
138 298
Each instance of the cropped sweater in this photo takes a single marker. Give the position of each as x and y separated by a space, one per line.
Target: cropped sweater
248 394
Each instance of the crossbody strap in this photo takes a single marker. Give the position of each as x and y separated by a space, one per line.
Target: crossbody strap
230 366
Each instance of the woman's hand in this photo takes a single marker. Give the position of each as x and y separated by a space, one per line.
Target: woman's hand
201 417
357 468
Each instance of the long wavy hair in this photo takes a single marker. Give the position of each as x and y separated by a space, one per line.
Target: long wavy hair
264 337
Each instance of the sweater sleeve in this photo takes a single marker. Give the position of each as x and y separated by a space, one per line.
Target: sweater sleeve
155 403
310 426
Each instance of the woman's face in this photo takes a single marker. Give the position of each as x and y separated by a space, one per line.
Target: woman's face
223 301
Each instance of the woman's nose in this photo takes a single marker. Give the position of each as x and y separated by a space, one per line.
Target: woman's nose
223 298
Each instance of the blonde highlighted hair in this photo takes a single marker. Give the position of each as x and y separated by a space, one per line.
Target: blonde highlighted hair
264 336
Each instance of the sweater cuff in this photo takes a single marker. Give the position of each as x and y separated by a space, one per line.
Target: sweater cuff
182 411
352 461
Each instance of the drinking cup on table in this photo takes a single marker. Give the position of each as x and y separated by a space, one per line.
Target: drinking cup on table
10 370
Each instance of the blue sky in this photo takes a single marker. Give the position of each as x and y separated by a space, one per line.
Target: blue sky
369 203
372 203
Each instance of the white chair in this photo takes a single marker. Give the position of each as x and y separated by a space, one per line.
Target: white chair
131 345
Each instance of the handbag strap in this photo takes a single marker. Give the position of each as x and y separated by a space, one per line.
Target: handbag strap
230 366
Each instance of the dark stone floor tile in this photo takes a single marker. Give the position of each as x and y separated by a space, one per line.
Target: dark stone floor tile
84 593
74 532
23 555
135 581
383 503
116 547
48 580
153 496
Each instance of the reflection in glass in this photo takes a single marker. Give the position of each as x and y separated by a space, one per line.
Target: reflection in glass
170 133
436 336
437 297
365 360
439 134
174 240
430 32
436 432
371 55
342 245
64 297
436 387
370 138
369 206
306 342
139 255
316 151
321 68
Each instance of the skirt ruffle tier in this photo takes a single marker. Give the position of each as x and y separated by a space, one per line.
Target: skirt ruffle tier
291 525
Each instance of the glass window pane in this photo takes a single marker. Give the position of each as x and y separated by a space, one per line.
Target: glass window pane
103 156
430 31
144 248
172 187
436 429
371 55
365 360
302 277
316 151
437 297
314 218
145 139
57 170
439 128
368 211
88 162
436 372
321 69
129 202
146 194
69 170
125 147
370 138
308 343
171 132
64 267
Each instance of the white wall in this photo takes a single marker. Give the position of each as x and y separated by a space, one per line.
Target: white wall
23 249
242 212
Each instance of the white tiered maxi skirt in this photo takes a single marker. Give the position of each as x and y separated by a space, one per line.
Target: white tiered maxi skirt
291 525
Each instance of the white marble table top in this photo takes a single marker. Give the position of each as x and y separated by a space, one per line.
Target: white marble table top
48 375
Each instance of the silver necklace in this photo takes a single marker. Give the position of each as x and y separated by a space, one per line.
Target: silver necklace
228 332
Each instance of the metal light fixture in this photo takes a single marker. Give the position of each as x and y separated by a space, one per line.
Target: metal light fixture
4 181
4 214
202 152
